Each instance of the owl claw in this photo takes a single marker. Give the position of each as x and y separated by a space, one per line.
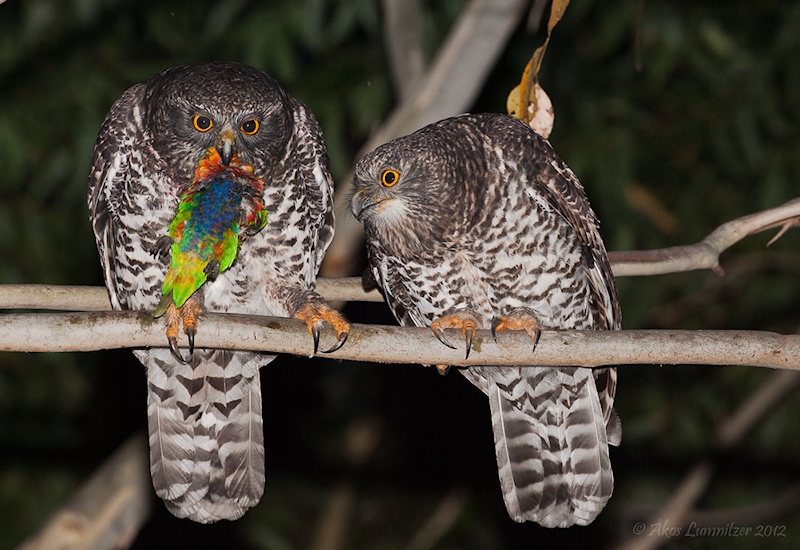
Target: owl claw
173 348
314 315
496 322
439 333
187 314
521 318
315 334
464 319
468 335
339 343
537 335
190 333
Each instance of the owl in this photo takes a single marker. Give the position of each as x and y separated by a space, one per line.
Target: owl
204 409
473 223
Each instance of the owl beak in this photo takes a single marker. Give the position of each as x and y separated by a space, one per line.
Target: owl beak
225 146
359 204
365 204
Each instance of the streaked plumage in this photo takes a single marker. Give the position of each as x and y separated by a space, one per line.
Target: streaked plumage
481 219
206 437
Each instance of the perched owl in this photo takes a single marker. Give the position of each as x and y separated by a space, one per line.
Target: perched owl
204 410
474 222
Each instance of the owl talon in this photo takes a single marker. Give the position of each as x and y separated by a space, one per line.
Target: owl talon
496 322
464 319
314 315
190 333
339 343
439 333
315 334
188 315
537 335
521 318
469 333
173 348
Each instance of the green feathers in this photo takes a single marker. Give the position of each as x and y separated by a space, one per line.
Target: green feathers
221 202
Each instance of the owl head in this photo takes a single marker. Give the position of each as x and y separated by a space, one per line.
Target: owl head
234 107
418 189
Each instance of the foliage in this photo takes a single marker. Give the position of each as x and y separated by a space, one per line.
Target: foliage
706 131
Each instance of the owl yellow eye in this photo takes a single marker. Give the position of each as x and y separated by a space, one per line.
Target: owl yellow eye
202 123
251 126
389 177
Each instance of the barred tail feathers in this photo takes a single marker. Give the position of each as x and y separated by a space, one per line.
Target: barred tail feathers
206 433
550 440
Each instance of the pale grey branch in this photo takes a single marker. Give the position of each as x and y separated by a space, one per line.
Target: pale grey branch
58 332
702 255
402 34
705 254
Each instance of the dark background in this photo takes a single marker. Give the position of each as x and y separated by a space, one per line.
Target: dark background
707 130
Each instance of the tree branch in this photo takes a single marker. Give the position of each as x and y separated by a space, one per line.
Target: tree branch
702 255
58 332
705 254
403 40
108 510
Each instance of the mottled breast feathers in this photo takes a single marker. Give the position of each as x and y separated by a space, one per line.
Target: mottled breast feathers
480 223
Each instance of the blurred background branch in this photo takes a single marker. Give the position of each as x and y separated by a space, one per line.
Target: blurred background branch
449 87
108 510
680 509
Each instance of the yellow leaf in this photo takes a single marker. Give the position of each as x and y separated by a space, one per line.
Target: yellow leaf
512 103
522 101
557 10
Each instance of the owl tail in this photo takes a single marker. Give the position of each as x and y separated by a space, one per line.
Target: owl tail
551 444
206 432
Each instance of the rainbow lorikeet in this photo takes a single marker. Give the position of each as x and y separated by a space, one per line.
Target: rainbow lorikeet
221 206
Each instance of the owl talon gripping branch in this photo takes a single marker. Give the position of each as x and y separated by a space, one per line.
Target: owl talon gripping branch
187 314
314 315
521 318
465 319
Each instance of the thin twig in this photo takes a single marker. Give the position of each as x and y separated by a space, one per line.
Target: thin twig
705 254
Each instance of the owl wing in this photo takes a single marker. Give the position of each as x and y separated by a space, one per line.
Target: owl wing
111 158
562 190
557 183
314 166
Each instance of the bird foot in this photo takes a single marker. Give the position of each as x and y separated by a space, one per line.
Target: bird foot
187 315
161 249
521 318
465 319
315 314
